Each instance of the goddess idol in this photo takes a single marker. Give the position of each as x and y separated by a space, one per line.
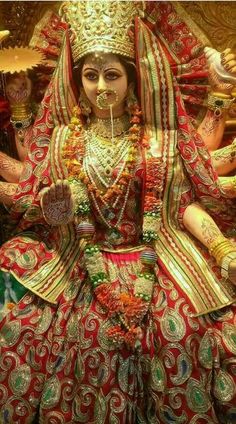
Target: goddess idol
117 288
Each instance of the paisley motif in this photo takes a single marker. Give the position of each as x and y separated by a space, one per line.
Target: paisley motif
168 416
51 393
10 333
172 325
205 354
159 379
20 380
44 321
184 368
229 337
27 260
72 328
197 396
224 387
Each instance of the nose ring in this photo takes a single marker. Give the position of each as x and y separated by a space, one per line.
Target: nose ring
106 98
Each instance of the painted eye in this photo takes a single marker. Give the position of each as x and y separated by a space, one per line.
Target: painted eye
90 76
112 76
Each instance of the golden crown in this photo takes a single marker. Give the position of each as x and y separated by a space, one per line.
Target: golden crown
101 26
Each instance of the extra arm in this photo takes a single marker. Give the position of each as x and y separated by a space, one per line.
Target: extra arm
10 168
224 160
200 224
7 191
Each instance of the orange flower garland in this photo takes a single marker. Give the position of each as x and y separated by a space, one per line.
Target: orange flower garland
129 309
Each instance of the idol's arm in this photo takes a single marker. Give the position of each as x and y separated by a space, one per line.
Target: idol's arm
219 100
18 92
7 191
10 169
212 129
197 221
224 160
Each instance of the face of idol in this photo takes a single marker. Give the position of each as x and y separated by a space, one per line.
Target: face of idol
104 75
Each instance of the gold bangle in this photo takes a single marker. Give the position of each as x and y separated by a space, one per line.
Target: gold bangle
220 248
224 253
21 111
220 95
217 242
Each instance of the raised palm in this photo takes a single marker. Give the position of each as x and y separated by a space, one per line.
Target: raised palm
57 203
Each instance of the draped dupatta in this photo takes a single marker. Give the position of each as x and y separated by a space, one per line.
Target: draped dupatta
186 175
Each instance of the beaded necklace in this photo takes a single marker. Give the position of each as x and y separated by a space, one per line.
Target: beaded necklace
128 309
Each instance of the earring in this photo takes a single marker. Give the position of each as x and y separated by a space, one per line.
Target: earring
84 104
131 99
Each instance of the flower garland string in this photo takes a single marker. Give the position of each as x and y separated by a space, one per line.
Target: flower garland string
130 309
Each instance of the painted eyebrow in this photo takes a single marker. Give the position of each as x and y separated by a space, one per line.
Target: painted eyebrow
112 69
105 70
90 69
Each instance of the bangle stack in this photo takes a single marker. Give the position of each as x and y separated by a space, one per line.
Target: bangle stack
219 102
21 119
224 251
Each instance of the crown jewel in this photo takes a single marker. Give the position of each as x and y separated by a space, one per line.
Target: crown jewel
101 26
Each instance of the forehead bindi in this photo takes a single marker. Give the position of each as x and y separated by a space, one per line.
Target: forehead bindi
101 64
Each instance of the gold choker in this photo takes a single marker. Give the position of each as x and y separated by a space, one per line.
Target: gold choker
103 127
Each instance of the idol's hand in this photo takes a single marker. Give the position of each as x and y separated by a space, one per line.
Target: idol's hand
232 271
223 80
18 89
228 60
57 203
228 185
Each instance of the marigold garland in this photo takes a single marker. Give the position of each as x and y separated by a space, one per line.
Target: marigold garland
129 309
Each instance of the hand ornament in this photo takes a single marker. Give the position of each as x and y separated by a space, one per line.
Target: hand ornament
224 252
57 203
222 70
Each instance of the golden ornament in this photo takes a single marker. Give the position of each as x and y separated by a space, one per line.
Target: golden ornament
19 59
